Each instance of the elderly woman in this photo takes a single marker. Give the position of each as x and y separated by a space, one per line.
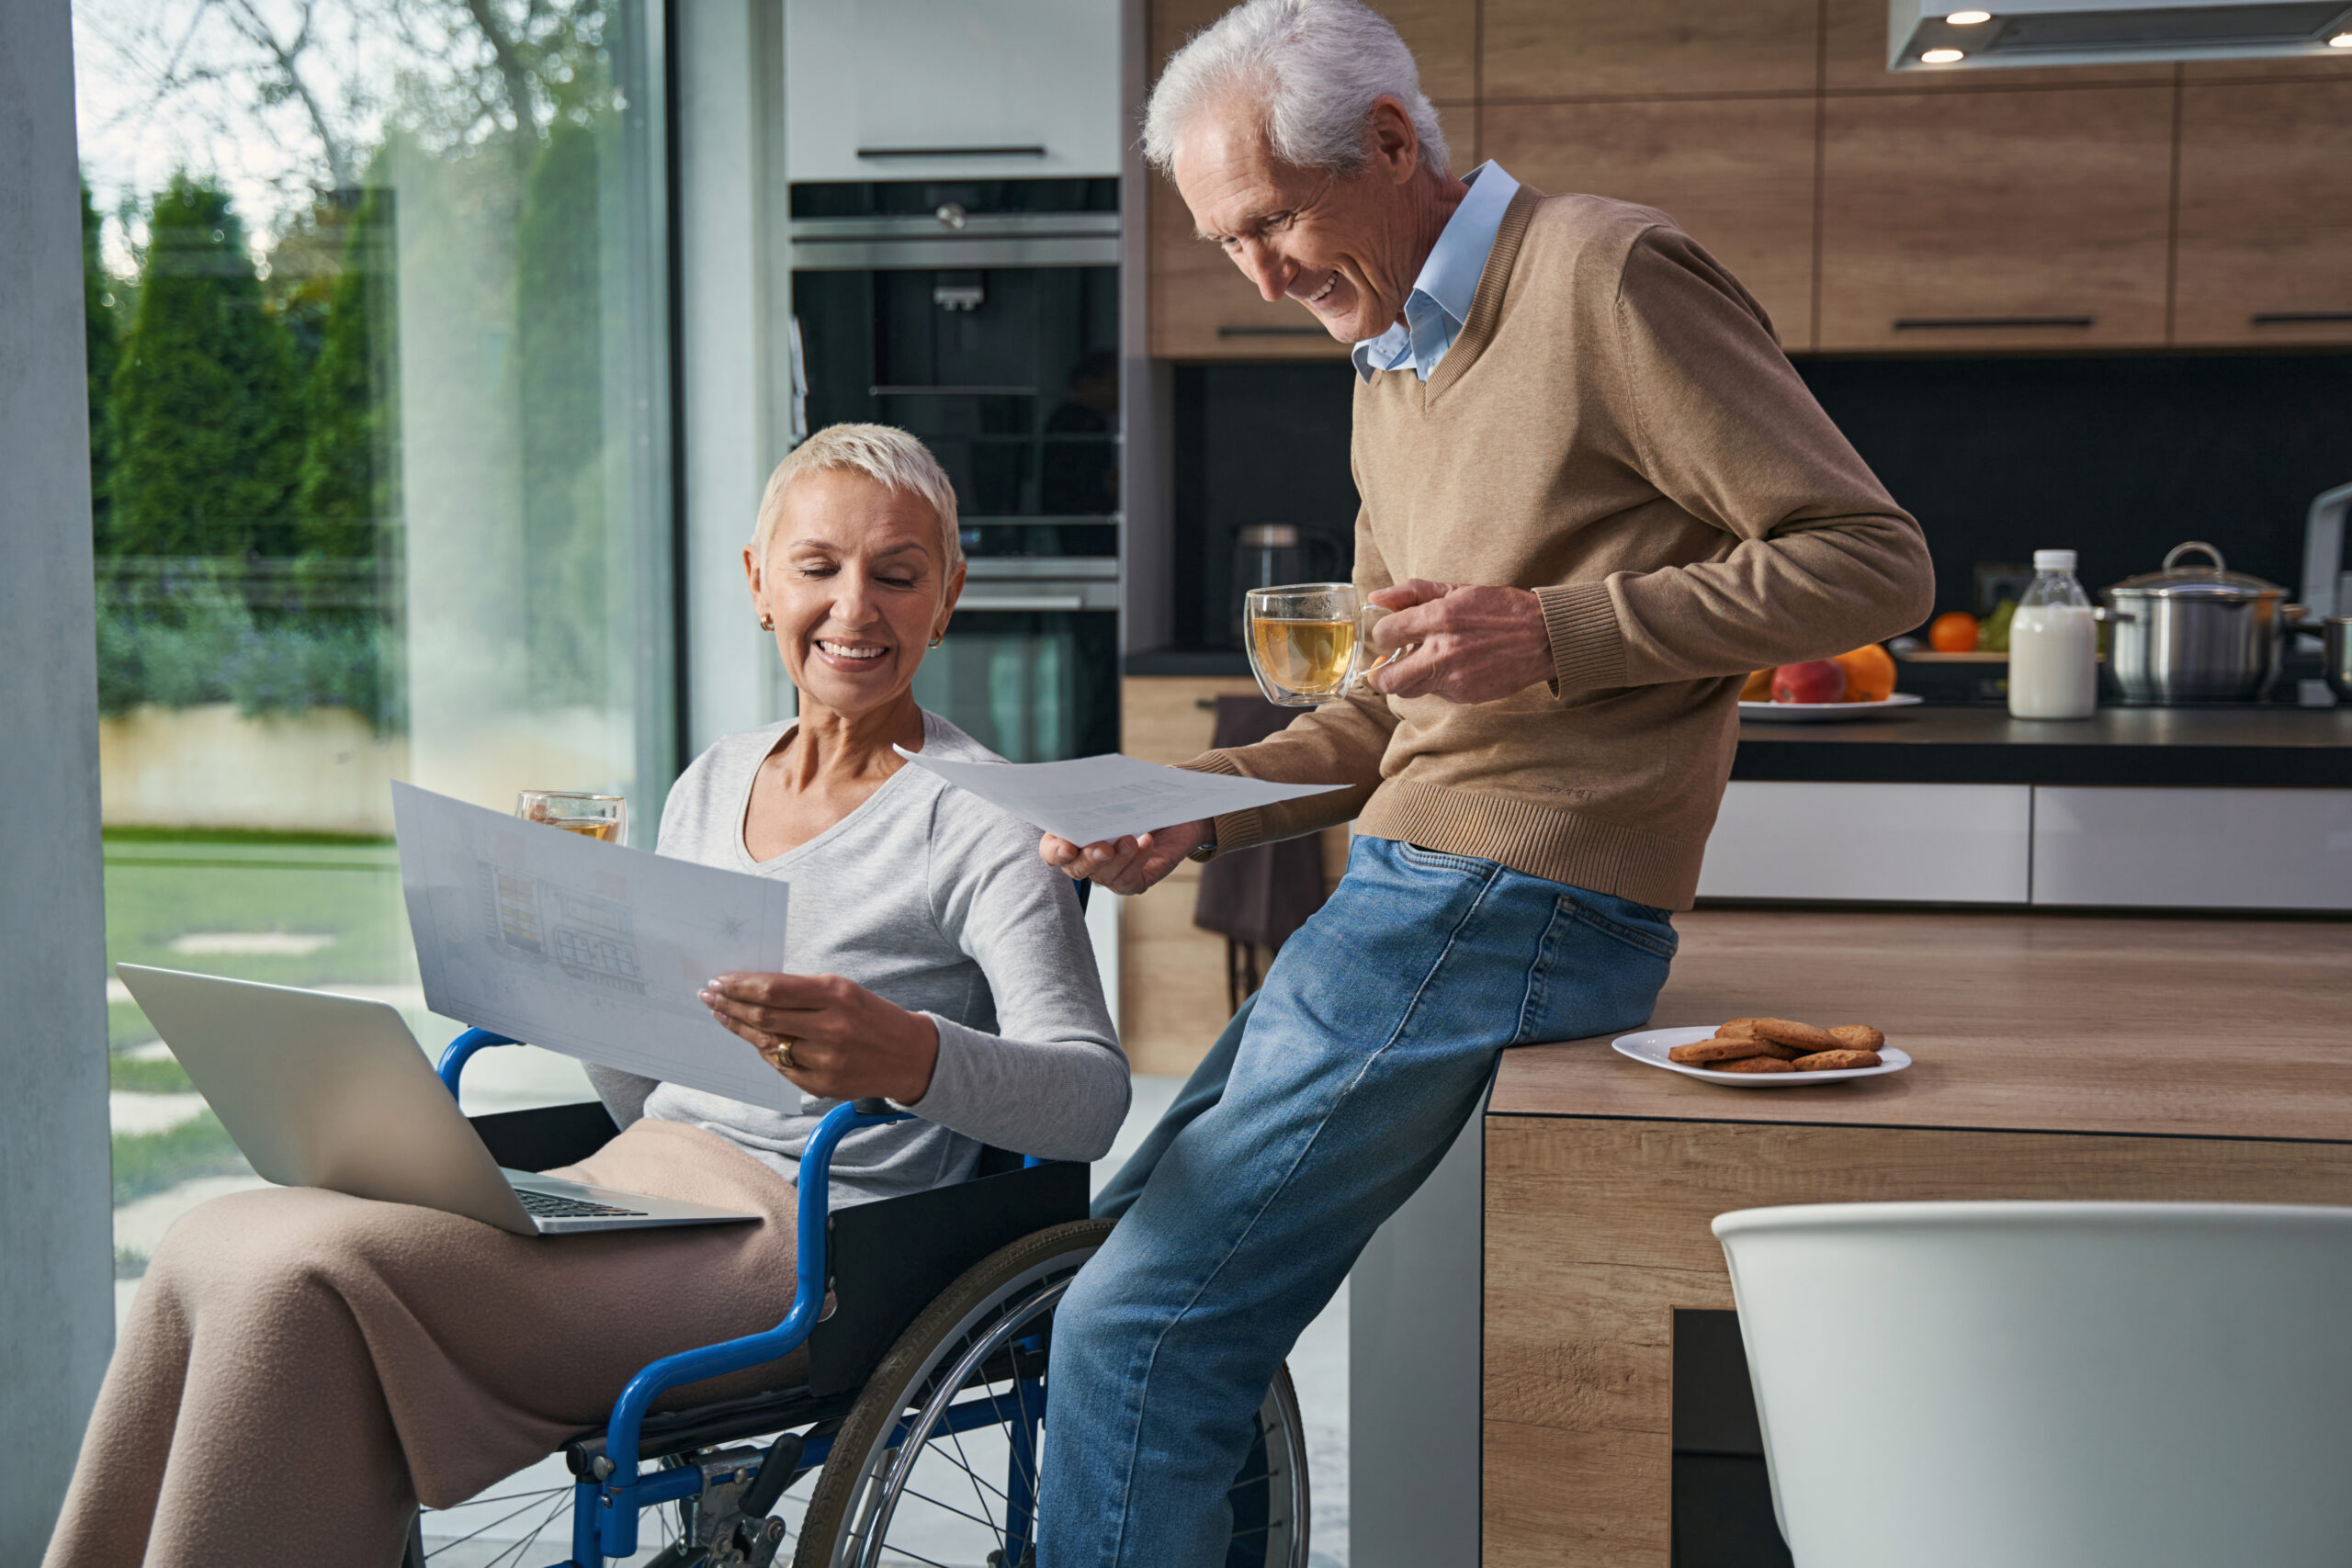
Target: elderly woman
301 1366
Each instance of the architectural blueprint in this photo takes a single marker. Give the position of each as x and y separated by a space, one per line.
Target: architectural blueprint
591 949
1096 799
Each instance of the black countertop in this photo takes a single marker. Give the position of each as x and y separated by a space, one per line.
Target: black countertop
2279 746
2275 747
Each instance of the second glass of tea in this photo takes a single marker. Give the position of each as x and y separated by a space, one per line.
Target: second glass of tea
1311 642
604 817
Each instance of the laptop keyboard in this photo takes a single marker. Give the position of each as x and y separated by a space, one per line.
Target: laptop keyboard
548 1206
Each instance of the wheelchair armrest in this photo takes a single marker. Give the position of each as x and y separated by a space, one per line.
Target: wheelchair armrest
461 1050
733 1355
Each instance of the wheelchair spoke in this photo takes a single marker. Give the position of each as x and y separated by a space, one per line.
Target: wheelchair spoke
987 1524
1028 1468
964 1462
560 1496
523 1545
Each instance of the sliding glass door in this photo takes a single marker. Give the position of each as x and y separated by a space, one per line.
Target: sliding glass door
379 388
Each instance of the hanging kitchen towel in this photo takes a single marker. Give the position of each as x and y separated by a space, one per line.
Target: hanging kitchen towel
1260 894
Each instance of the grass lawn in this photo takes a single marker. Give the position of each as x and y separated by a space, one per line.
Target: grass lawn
165 886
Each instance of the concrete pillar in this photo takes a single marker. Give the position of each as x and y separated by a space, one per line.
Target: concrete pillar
56 1247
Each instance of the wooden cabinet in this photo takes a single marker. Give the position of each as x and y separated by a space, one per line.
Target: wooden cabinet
1736 173
2031 208
2265 214
1171 973
1570 48
1968 222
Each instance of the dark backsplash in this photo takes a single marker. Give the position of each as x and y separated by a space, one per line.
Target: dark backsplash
2117 458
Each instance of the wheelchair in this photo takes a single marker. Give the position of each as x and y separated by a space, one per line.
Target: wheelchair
915 1439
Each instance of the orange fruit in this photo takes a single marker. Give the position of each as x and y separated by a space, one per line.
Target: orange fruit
1870 673
1954 631
1759 688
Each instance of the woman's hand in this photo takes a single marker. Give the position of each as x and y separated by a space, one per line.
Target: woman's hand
831 1037
1130 865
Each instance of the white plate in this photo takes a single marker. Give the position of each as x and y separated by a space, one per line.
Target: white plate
1650 1047
1818 713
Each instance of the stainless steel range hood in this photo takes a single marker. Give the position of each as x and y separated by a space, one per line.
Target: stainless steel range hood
1935 34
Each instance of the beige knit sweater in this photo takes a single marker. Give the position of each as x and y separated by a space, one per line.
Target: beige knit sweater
1616 429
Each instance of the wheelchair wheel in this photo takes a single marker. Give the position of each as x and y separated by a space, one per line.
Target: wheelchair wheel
937 1463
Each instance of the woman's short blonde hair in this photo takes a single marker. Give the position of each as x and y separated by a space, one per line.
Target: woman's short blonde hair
884 454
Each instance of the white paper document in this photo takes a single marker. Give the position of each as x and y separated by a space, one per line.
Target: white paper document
1096 799
591 949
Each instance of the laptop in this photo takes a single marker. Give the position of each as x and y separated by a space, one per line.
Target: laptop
321 1091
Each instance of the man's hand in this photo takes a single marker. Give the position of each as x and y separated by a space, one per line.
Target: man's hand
1130 865
1474 644
830 1036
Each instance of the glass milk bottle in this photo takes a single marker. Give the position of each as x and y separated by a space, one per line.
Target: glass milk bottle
2053 644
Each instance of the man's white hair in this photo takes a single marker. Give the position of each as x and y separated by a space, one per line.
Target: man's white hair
884 454
1312 67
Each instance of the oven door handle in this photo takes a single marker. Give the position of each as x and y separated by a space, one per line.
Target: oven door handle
1021 602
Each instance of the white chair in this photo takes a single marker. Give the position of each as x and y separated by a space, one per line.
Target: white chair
2051 1385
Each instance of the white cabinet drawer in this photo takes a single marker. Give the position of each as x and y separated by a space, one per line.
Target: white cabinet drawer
951 89
2193 849
1930 843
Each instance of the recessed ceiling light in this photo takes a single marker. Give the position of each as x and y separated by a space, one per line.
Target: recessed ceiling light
1968 18
1941 57
2341 40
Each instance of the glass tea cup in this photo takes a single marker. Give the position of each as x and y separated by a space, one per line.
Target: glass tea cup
1311 642
604 817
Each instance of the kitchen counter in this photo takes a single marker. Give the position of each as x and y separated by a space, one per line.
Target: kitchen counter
2278 747
2058 1056
2274 747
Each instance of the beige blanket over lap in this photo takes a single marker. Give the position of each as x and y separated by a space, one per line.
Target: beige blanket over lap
300 1367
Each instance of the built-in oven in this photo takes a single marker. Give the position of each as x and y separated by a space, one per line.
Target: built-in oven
983 316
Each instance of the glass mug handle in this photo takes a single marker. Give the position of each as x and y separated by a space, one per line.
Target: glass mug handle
1365 660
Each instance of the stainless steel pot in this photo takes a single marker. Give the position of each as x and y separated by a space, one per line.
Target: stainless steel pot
2196 634
2335 649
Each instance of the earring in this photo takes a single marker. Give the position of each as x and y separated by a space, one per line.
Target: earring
768 623
940 638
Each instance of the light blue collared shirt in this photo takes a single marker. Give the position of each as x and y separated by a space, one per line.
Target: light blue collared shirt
1439 306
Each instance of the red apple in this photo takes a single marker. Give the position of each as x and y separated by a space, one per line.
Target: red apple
1821 681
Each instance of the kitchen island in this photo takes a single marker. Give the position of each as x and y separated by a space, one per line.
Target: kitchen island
2057 1056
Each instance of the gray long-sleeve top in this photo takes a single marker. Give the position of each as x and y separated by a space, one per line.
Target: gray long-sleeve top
936 900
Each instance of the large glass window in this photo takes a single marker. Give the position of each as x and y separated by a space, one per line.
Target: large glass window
378 406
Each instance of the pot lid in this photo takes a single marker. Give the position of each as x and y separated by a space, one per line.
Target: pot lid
2216 581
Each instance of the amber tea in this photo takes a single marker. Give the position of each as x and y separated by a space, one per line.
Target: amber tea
1310 643
601 817
1309 657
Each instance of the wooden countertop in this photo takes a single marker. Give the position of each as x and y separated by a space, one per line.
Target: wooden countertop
2044 1022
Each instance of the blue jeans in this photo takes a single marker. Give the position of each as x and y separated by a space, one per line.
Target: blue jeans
1368 1048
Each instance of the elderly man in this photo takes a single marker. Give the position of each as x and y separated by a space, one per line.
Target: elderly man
1595 495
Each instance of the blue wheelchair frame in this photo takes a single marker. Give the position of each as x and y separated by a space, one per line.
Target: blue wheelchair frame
604 1511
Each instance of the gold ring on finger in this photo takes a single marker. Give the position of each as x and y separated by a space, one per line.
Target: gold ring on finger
783 1044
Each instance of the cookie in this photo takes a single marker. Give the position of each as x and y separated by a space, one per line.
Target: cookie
1788 1032
1857 1037
1738 1028
1751 1064
1785 1053
1715 1050
1833 1060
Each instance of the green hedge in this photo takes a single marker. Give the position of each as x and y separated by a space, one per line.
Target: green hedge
203 644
